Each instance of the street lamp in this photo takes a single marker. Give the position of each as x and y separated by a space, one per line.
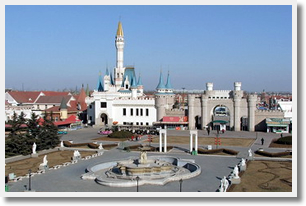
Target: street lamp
137 179
183 98
181 182
30 179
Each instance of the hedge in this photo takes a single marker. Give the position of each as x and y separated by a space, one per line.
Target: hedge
227 151
268 154
284 140
121 135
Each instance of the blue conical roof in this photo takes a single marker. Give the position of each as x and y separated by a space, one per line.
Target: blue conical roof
100 87
139 81
111 79
133 85
161 84
168 84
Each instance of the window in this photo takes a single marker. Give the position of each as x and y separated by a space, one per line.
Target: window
103 104
141 112
141 123
137 112
90 106
147 112
124 111
131 111
147 123
137 123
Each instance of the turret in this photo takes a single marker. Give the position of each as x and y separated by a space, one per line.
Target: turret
134 87
168 85
100 86
209 86
119 70
140 85
252 99
161 87
237 86
63 110
107 80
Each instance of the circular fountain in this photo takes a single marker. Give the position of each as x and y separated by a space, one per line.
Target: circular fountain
154 170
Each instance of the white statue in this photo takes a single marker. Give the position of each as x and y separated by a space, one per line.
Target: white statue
224 184
250 153
76 153
62 144
242 162
45 161
143 157
236 172
221 189
100 146
34 148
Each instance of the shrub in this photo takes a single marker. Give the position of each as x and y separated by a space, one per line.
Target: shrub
285 140
93 146
268 154
227 151
121 135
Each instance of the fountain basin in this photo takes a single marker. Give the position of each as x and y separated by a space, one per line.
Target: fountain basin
157 170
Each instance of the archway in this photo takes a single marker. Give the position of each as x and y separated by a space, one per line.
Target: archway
104 119
221 118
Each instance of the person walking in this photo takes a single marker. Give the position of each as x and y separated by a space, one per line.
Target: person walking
262 141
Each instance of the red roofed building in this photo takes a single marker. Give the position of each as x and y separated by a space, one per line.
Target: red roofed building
72 106
72 122
48 102
22 98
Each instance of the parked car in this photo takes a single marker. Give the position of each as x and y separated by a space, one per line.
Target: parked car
105 132
62 132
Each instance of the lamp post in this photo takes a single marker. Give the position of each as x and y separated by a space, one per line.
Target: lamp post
183 98
30 179
181 182
137 179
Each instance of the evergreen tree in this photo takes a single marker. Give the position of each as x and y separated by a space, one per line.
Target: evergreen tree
17 141
20 140
48 137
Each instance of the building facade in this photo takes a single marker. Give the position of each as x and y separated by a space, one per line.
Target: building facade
119 98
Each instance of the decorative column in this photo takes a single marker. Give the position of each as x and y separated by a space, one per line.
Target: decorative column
204 114
195 134
191 121
162 133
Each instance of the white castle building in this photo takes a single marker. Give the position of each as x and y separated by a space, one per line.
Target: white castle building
119 98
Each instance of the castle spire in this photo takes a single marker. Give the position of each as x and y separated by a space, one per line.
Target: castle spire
168 84
139 83
100 87
161 84
119 30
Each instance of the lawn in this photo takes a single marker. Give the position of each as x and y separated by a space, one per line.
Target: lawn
21 168
265 176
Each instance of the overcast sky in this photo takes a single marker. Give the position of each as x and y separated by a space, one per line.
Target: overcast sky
57 47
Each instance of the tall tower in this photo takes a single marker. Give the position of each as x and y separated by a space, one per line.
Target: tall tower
119 70
238 93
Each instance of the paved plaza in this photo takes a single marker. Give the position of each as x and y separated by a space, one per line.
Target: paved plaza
213 167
